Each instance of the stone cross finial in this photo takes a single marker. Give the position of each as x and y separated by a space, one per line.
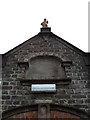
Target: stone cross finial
44 23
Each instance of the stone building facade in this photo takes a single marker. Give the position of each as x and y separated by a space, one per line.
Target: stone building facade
45 59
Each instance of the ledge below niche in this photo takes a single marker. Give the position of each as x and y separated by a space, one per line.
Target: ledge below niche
29 82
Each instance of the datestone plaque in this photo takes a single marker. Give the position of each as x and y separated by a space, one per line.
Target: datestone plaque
43 87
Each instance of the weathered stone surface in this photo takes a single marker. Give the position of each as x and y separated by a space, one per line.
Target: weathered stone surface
76 94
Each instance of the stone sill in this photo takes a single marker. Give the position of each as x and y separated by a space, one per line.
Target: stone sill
29 82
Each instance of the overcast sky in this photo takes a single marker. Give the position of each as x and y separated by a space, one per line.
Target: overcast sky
21 19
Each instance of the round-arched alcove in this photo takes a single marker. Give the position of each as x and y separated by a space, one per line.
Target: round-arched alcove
45 67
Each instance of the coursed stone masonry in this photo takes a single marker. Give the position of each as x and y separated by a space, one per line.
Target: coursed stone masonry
76 94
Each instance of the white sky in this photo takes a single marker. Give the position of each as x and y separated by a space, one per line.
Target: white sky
21 19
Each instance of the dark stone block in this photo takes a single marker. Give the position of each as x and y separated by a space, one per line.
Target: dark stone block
4 92
6 83
8 102
5 97
16 103
71 101
6 87
79 96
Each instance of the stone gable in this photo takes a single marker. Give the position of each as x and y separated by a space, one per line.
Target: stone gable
16 65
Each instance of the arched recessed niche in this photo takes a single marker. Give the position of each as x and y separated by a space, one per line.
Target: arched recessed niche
45 67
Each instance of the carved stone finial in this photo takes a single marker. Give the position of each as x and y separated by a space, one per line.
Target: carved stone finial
44 23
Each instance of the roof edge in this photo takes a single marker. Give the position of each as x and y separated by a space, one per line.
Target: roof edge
71 46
